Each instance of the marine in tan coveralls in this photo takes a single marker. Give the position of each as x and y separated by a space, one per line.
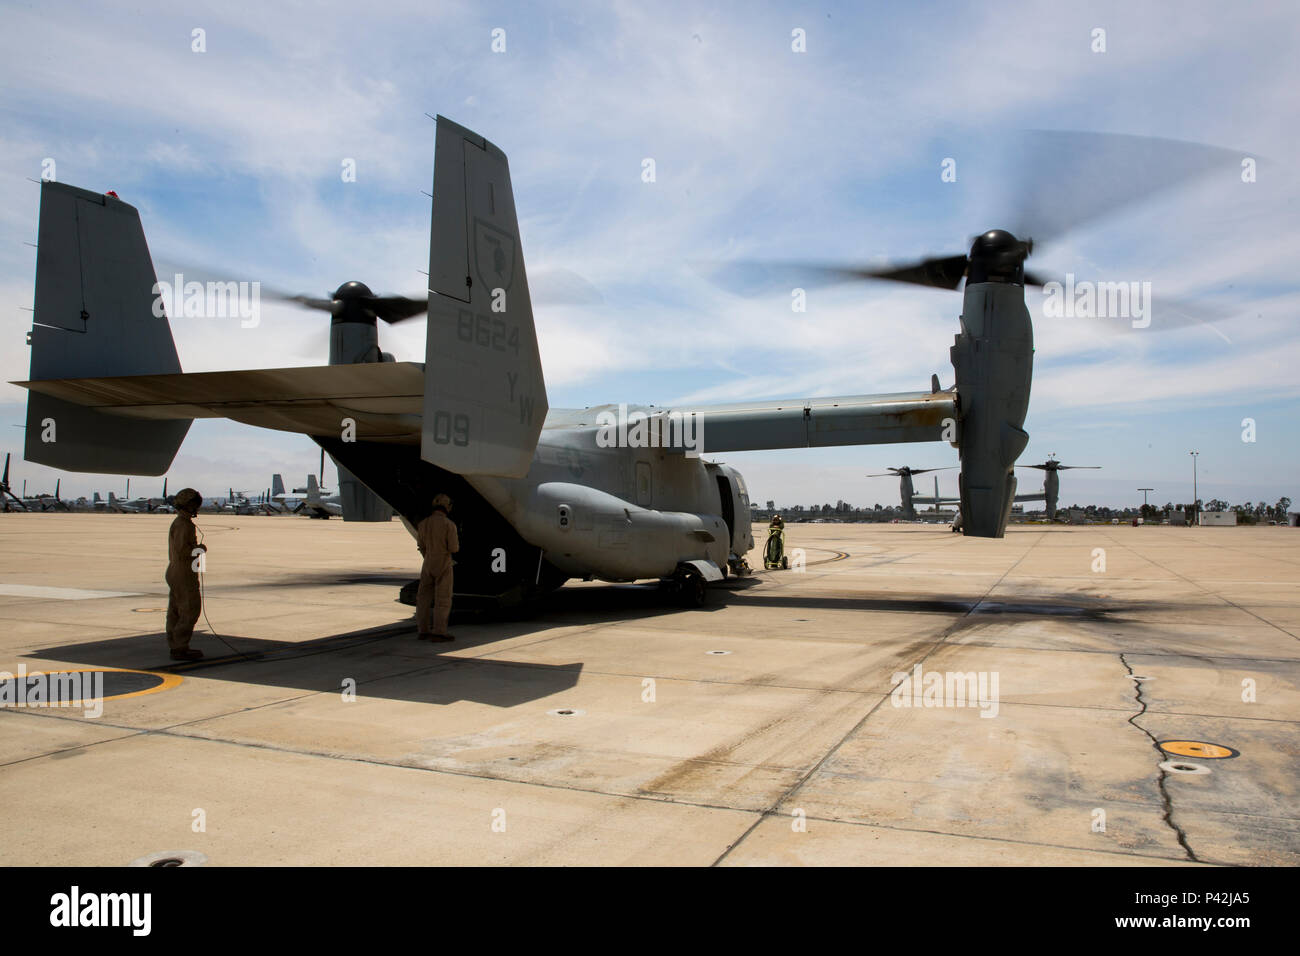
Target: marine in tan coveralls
437 540
184 601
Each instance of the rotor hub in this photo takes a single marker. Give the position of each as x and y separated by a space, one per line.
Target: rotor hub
351 304
998 256
353 290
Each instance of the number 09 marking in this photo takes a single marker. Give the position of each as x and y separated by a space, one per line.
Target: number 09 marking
449 429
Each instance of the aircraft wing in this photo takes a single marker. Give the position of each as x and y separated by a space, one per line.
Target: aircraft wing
927 499
384 398
821 422
386 401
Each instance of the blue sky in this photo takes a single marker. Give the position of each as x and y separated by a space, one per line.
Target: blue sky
233 157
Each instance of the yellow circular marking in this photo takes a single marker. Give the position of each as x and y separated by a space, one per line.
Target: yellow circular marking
169 681
1197 748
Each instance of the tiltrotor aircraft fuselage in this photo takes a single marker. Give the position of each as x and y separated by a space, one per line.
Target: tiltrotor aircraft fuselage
613 492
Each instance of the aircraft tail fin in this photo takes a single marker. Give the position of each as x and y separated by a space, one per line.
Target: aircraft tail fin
484 393
95 315
313 488
277 486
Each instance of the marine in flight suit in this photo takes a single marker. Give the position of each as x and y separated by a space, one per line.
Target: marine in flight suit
437 540
184 601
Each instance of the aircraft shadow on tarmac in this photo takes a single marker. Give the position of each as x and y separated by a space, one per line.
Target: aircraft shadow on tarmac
605 603
386 662
923 605
369 655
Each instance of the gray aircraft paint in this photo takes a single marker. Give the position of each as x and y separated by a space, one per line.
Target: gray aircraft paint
478 408
353 343
93 311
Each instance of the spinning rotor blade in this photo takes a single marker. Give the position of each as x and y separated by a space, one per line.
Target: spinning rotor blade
169 271
945 272
749 275
1057 180
325 305
390 308
1161 312
1063 179
398 308
899 472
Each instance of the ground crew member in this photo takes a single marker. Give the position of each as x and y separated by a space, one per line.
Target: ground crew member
437 540
184 601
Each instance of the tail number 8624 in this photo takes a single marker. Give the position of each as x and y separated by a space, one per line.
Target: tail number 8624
488 332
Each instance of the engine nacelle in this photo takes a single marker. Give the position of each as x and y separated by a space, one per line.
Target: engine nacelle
993 356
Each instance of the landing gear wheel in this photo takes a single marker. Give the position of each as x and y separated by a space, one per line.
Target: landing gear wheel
785 563
691 588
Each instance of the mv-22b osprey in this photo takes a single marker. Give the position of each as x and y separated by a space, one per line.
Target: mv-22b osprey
539 496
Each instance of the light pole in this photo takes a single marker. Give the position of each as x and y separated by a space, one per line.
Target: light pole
1196 500
1144 495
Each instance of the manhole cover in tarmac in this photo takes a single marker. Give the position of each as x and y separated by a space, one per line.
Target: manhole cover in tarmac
566 712
717 653
1197 748
1182 766
165 858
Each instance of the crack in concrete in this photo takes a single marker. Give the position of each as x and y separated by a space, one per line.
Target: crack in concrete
1165 798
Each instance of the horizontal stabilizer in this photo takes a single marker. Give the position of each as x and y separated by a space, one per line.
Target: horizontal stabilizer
382 399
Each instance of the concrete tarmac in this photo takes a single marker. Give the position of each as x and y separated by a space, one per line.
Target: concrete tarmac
907 697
